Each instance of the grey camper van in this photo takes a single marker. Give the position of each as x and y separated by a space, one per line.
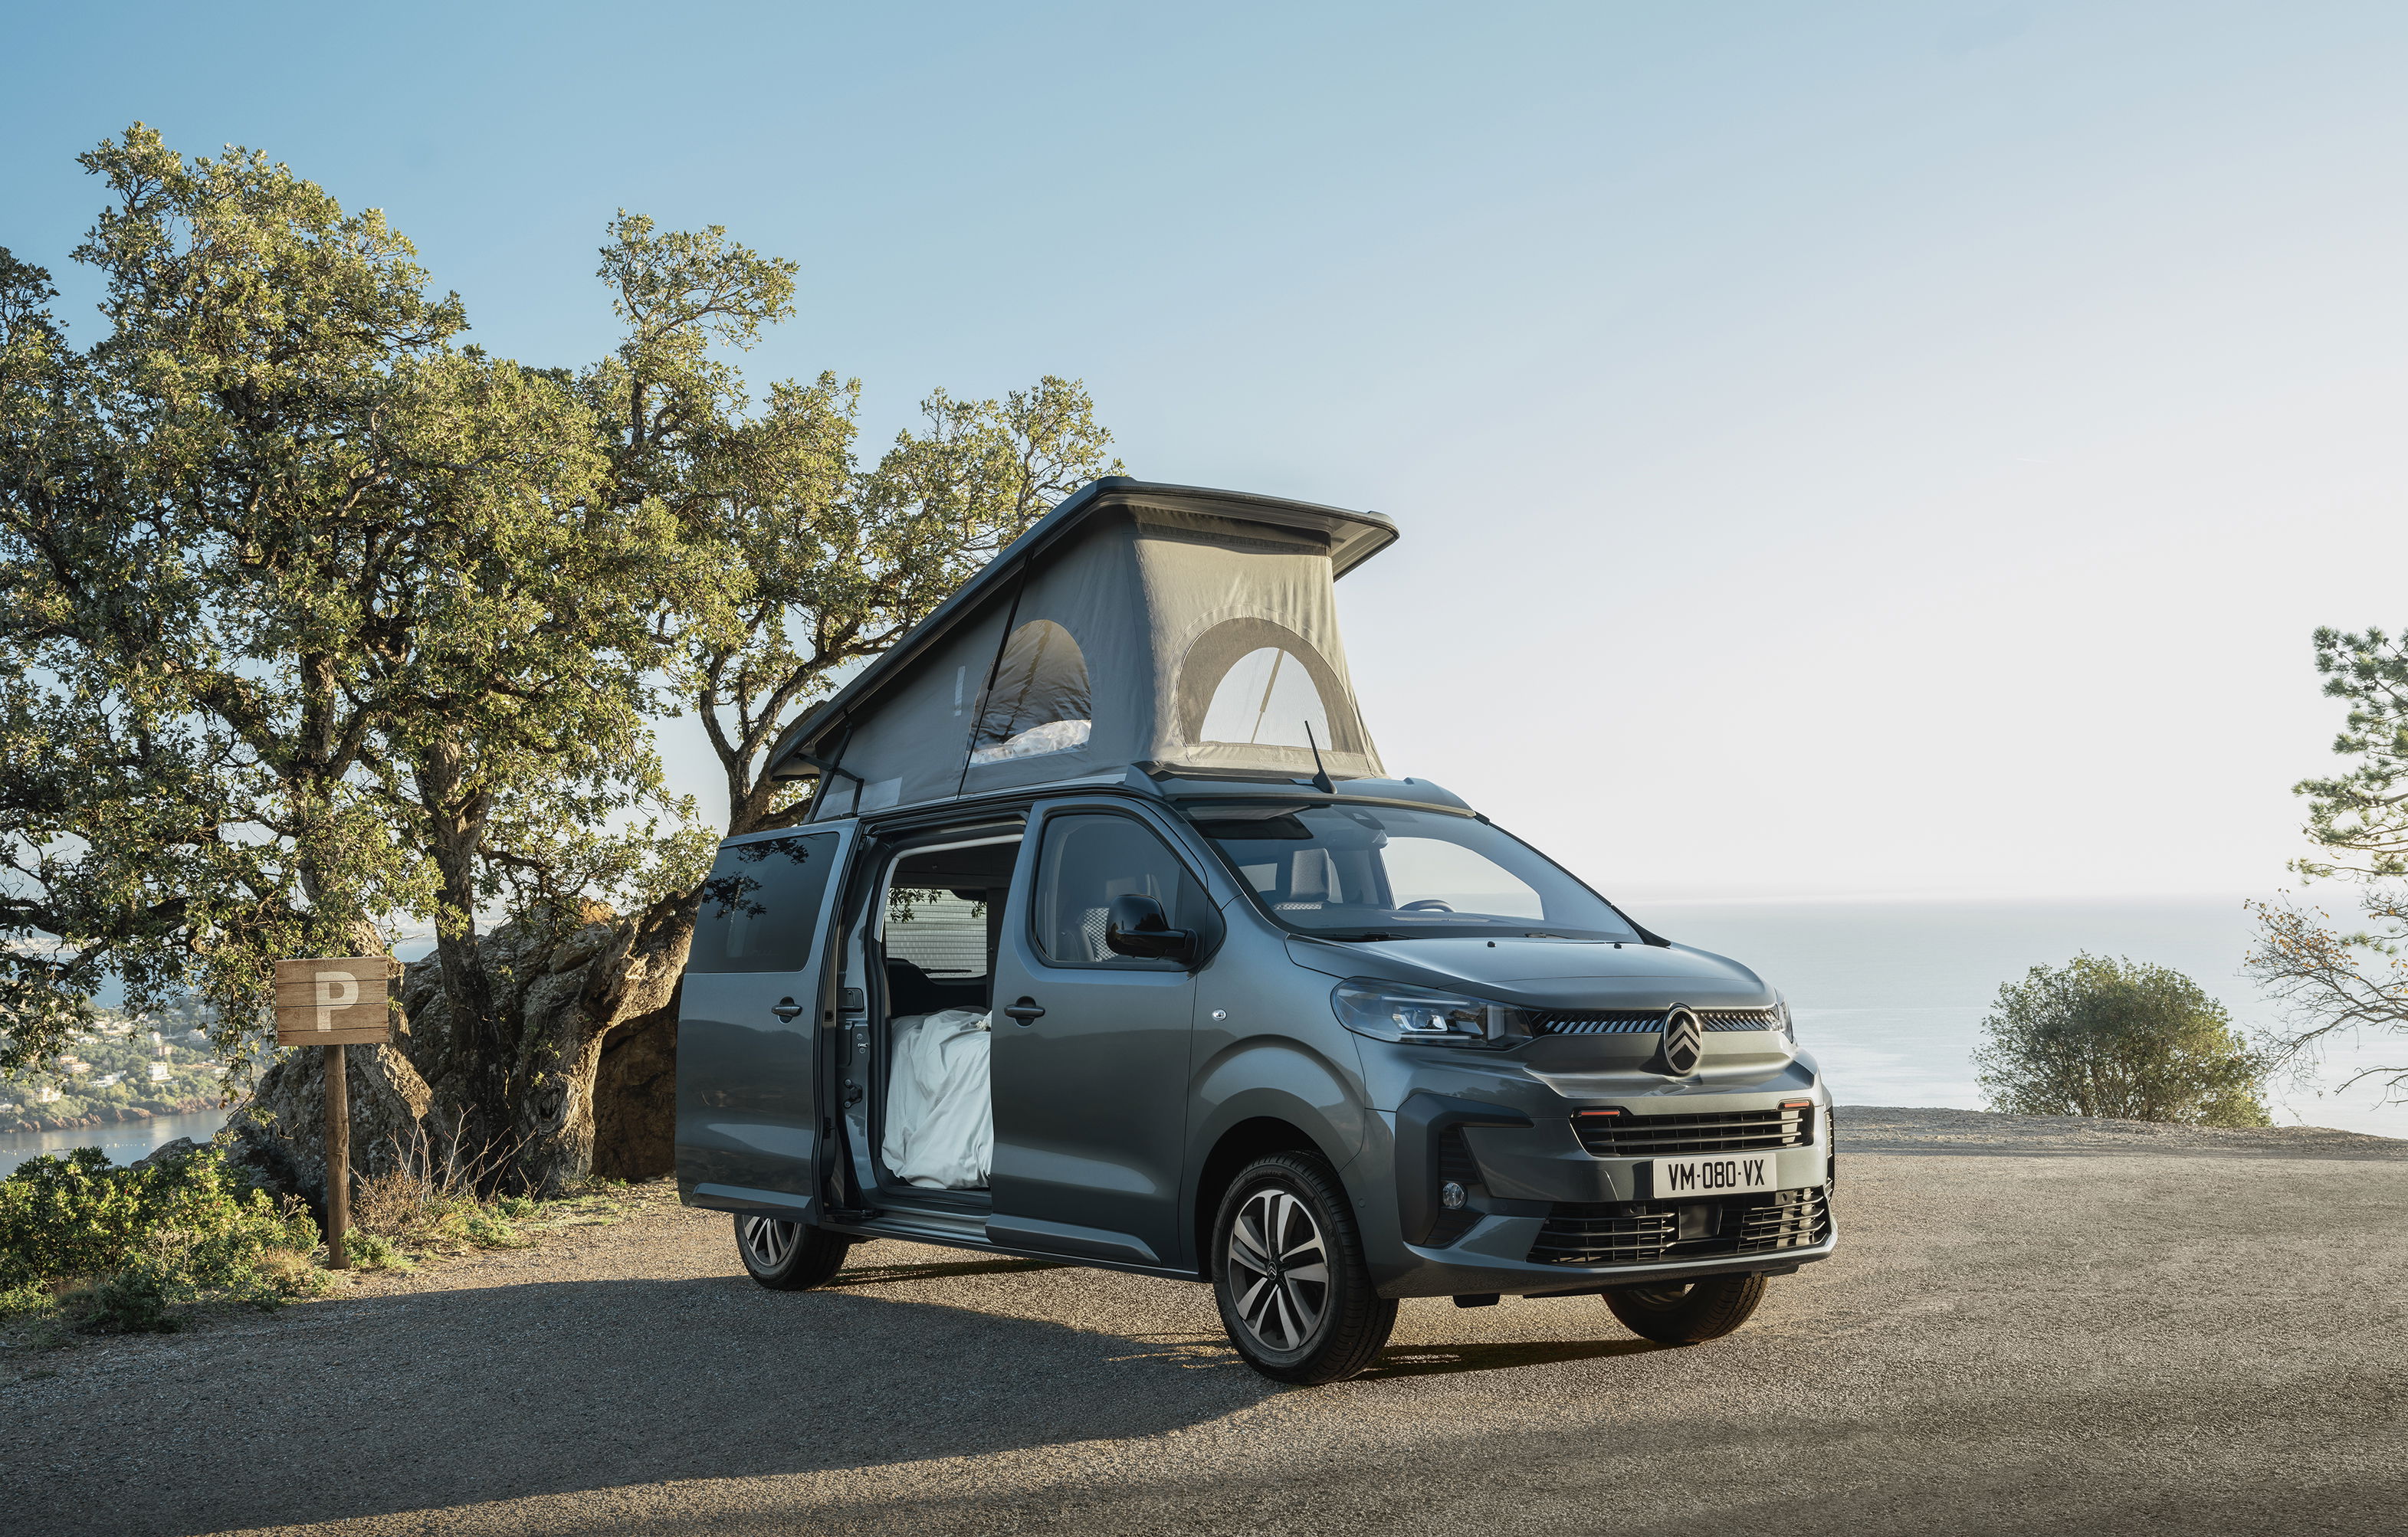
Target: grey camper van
1107 938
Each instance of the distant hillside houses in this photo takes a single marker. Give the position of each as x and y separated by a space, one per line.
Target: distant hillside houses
121 1067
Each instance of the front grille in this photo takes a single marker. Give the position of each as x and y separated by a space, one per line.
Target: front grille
1599 1022
1618 1133
1635 1021
1637 1232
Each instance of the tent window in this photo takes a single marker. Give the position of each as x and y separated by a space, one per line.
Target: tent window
1268 700
1253 683
1039 702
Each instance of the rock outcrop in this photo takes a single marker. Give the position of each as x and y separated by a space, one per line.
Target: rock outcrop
568 998
280 1134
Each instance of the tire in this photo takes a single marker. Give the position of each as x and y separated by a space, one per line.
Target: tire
1288 1273
1679 1313
788 1256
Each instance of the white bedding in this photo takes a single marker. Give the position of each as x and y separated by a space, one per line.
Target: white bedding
940 1120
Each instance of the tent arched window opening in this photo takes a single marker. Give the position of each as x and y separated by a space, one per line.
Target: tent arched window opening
1039 702
1253 683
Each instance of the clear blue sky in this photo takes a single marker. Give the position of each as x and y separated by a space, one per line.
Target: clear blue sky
1840 448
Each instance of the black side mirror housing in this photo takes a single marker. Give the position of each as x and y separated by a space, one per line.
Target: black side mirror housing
1137 928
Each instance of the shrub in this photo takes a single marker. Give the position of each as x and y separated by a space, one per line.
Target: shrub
428 1197
373 1251
2121 1040
180 1231
132 1301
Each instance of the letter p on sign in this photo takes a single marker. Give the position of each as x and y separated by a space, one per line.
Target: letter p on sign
336 990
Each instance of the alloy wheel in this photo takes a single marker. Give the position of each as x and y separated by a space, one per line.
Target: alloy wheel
768 1240
1278 1268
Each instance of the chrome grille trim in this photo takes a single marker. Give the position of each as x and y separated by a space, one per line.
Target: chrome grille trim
1632 1021
1627 1135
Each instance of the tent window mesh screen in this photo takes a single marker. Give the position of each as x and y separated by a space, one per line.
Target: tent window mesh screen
1254 683
1266 700
1039 702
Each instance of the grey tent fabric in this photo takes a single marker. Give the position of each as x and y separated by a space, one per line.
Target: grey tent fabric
1135 625
909 748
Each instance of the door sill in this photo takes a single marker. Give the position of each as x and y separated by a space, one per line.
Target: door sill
912 1198
927 1225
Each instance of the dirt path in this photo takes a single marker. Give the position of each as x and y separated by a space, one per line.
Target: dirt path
2021 1333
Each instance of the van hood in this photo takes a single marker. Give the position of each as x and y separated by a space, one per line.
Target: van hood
1545 973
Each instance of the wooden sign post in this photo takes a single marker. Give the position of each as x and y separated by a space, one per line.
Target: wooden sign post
332 1002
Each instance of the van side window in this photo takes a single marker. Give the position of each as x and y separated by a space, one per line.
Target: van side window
940 931
1086 862
761 905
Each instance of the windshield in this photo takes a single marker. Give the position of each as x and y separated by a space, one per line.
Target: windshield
1363 872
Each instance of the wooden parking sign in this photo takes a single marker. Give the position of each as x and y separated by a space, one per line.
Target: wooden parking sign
326 1001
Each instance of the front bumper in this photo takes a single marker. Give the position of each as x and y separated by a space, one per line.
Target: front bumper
1544 1215
1494 1257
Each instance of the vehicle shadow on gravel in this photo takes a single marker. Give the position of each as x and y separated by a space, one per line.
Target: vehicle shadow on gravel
447 1398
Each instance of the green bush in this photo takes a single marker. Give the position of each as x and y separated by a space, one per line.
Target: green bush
132 1302
2120 1040
374 1251
183 1230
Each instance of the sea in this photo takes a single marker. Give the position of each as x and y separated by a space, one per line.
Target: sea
1889 996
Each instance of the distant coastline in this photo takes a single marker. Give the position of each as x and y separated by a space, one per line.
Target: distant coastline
107 1115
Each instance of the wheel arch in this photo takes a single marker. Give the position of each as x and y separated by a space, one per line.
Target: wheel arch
1256 1136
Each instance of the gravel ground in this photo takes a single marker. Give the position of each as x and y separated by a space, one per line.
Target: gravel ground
2032 1326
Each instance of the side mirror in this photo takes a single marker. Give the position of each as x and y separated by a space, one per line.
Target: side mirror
1137 927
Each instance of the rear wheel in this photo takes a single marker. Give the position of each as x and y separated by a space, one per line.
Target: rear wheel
1679 1313
788 1256
1288 1273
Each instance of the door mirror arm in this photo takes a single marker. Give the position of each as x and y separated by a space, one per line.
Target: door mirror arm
1137 928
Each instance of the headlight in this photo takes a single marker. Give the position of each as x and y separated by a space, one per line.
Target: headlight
1781 1012
1391 1011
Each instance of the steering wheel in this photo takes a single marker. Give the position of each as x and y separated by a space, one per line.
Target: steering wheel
1428 905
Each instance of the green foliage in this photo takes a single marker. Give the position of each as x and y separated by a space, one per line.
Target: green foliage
311 617
2340 982
126 1245
25 1302
2360 816
132 1301
315 618
367 1250
205 530
830 559
2120 1040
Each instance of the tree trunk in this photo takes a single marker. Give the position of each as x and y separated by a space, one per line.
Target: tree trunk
478 1045
560 992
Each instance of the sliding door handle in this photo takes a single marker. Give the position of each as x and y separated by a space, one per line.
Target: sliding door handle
1025 1010
786 1008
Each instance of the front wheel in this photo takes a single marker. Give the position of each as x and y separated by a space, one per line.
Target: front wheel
1675 1314
1288 1272
788 1256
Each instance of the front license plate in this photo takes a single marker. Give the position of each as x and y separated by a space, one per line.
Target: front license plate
1734 1176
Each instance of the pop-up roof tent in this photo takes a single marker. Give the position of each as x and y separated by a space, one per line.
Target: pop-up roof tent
1170 629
